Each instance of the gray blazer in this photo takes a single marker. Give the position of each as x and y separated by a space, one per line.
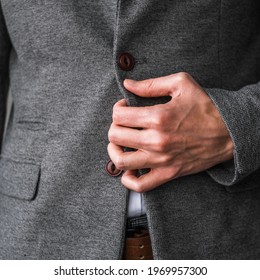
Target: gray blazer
59 60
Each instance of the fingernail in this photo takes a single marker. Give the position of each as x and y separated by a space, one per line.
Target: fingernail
129 82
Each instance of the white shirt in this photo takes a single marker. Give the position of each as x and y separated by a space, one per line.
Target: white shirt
136 205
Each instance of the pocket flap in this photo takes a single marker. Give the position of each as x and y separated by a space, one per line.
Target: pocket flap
18 179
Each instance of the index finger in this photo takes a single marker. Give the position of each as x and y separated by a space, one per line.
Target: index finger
136 117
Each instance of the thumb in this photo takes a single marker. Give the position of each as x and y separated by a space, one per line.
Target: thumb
156 87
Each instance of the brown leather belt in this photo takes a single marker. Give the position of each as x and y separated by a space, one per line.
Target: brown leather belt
138 245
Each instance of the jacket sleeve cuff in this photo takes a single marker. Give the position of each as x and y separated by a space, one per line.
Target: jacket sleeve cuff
240 110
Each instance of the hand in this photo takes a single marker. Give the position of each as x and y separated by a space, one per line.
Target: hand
184 136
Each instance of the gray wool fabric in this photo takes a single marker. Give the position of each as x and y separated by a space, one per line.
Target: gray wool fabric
59 61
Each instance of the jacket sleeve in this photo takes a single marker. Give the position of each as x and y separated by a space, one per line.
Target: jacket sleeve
5 47
240 111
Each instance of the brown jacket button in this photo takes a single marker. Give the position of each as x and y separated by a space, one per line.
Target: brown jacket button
112 170
126 61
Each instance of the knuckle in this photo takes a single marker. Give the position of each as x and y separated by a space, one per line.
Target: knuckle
165 159
138 187
111 135
164 144
161 143
134 185
119 162
183 77
159 119
114 107
116 115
